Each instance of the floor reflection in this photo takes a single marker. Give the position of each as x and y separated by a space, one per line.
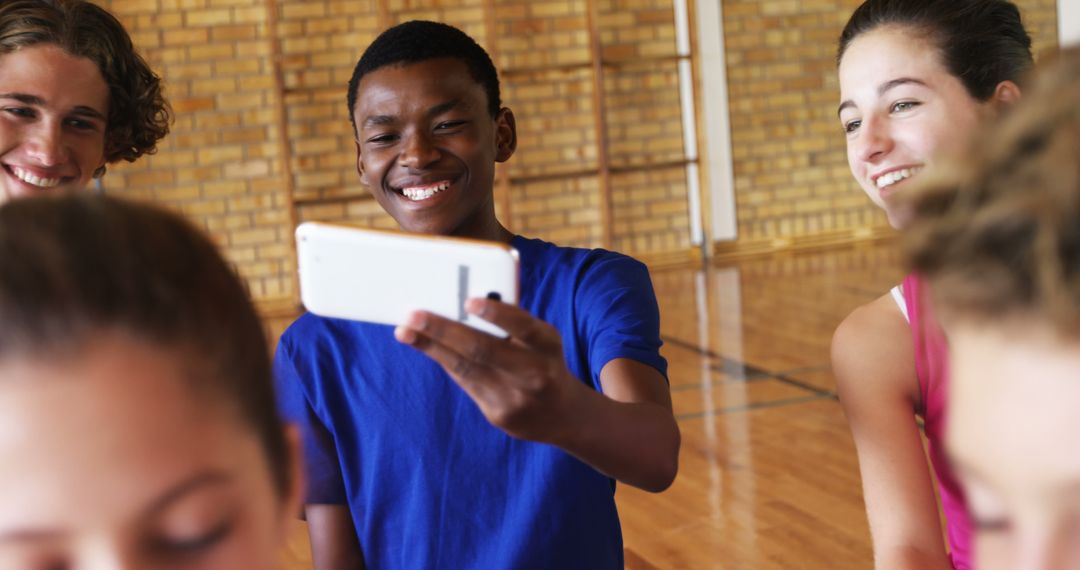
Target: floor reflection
768 476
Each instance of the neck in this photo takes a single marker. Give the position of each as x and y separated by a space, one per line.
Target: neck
492 230
484 225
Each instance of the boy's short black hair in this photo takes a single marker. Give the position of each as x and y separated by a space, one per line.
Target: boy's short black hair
420 40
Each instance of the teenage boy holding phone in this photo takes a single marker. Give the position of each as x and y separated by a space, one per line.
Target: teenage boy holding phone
433 445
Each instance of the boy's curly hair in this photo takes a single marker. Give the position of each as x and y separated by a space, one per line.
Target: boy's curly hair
139 115
997 230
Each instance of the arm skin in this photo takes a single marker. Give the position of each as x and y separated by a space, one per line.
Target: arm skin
522 386
874 363
334 545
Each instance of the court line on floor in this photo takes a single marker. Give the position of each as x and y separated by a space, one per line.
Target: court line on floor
715 383
729 366
804 385
750 407
806 369
749 372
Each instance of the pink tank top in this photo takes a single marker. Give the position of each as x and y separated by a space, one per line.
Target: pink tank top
932 368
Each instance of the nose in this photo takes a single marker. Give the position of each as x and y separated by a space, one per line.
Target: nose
875 140
107 553
45 143
418 151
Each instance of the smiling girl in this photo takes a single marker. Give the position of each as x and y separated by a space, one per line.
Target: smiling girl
74 96
916 78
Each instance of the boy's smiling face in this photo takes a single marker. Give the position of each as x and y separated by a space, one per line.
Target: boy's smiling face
53 121
427 147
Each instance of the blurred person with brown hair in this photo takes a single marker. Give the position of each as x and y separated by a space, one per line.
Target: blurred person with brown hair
74 97
996 233
138 426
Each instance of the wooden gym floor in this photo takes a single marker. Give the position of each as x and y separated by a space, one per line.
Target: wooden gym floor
768 477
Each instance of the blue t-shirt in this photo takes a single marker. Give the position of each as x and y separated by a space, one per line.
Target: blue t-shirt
429 482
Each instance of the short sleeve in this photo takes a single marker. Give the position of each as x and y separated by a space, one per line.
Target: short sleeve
322 470
617 304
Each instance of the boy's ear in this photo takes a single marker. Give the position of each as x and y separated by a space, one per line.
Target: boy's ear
505 135
360 165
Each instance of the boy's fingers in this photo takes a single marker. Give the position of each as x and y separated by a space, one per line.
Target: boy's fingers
465 371
517 322
467 347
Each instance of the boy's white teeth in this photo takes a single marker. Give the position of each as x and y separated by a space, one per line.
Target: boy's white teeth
895 176
425 192
35 180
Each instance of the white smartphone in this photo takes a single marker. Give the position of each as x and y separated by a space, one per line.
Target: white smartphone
381 276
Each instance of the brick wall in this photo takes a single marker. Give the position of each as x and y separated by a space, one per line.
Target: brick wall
319 45
221 164
227 165
543 56
542 50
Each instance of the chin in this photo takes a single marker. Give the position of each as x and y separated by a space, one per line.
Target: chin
899 220
421 227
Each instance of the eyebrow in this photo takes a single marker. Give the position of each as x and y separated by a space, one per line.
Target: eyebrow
379 120
185 487
23 98
883 89
30 535
383 120
189 485
27 99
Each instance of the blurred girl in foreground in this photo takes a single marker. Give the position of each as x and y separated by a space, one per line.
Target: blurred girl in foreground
137 418
997 235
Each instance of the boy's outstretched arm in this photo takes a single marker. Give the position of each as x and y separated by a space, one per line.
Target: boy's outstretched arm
522 386
629 429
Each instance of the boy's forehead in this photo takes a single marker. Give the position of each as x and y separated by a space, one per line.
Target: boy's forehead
439 78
